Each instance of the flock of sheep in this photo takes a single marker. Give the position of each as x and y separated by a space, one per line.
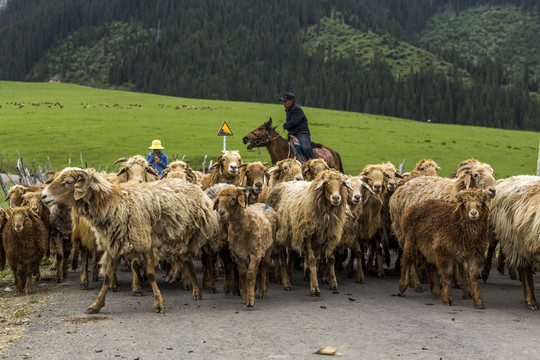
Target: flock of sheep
243 217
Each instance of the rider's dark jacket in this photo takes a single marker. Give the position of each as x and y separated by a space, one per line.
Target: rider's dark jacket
296 121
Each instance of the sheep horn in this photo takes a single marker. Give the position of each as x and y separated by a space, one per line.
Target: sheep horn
122 159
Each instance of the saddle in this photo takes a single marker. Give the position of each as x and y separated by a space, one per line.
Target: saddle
319 151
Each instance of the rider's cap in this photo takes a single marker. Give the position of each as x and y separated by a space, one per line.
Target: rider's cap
287 96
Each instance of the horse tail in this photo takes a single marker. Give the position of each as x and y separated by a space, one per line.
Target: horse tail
340 163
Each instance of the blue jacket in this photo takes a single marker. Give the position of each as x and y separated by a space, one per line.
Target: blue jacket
159 167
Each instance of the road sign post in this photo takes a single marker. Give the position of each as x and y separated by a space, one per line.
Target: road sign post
225 131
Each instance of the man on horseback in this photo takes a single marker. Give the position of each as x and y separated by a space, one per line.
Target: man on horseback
296 123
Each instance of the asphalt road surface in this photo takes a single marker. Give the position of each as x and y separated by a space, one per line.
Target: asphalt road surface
360 321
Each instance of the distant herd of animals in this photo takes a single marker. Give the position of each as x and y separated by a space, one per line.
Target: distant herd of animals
242 218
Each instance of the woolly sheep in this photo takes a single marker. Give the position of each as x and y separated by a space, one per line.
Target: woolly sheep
225 170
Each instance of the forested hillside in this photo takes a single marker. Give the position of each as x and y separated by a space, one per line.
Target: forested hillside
253 51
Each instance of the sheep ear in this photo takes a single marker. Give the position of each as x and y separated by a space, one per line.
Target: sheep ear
319 185
216 203
467 180
122 171
151 171
164 173
242 200
82 184
347 185
368 187
398 175
242 165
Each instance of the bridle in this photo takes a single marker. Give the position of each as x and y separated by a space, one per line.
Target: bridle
266 137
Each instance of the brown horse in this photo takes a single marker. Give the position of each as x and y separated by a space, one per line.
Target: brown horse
279 148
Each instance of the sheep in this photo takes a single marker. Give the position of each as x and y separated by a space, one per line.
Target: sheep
284 170
515 219
135 168
84 239
180 170
311 218
425 167
225 170
15 194
444 233
25 242
172 217
251 235
4 217
472 174
313 167
253 175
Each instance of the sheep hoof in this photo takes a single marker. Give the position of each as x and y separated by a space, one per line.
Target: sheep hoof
419 289
448 303
137 292
361 281
481 306
58 280
400 294
287 288
315 292
91 310
197 296
84 286
159 309
532 307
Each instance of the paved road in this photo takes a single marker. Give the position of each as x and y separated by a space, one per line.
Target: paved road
361 321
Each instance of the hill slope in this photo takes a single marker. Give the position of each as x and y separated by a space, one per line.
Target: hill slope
104 125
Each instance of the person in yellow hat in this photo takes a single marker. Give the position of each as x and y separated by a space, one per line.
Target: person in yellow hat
156 158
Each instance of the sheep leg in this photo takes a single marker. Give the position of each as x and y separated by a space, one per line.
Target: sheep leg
371 255
360 277
84 268
397 266
75 259
501 259
28 283
251 279
95 265
332 272
190 271
350 265
414 279
380 263
114 267
174 273
242 271
314 284
136 278
208 261
306 268
463 274
489 256
323 270
277 266
284 271
512 272
109 274
20 276
159 303
290 262
472 266
526 275
447 271
266 263
67 252
433 278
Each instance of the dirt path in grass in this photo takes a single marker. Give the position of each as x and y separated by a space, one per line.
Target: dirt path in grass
361 321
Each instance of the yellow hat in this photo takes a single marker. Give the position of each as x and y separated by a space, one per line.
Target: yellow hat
156 144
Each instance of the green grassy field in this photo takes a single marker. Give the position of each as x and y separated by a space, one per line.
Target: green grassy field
102 133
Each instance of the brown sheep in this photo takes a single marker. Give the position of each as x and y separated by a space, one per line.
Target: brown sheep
251 235
425 167
32 199
15 194
225 170
25 241
180 170
4 217
84 239
313 167
253 175
444 233
311 219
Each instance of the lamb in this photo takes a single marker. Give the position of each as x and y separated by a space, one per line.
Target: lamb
57 222
311 217
444 233
135 168
25 241
252 233
172 217
225 170
312 168
515 219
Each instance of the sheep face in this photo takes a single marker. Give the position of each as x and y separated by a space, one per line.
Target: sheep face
354 190
333 184
228 162
313 167
254 175
287 170
390 173
228 200
70 185
33 201
375 177
136 169
479 176
473 204
4 217
21 218
428 167
15 195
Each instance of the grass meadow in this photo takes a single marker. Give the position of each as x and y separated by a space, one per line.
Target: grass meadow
104 125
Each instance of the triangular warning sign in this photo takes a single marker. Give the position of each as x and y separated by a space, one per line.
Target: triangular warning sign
225 130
